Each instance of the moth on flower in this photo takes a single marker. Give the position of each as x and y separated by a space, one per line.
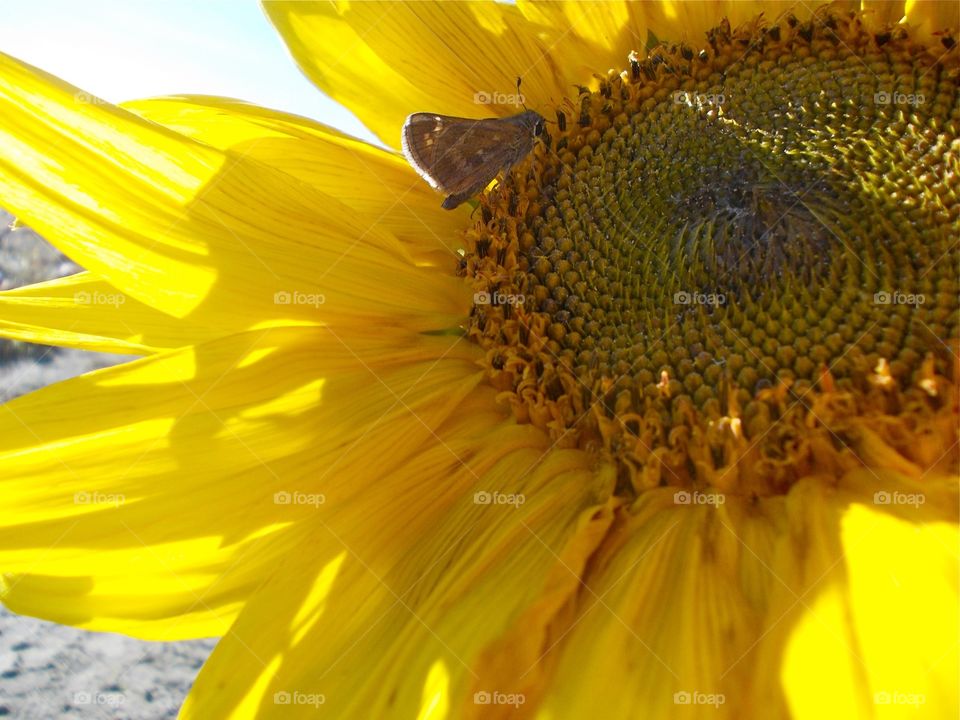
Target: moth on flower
460 156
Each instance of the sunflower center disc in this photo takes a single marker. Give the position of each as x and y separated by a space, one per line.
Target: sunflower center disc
722 260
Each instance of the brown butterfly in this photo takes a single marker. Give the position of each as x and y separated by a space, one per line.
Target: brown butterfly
460 156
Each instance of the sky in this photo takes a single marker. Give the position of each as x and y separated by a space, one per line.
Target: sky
129 49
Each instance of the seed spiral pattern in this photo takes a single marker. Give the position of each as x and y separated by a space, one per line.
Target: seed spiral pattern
731 265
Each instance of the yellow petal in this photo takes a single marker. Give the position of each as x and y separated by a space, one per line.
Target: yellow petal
884 12
385 60
933 17
804 606
669 609
81 311
374 182
590 37
195 232
904 599
389 613
874 632
142 499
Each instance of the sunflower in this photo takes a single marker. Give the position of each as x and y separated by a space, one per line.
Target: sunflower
663 424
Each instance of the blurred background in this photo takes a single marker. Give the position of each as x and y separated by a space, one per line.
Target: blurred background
123 50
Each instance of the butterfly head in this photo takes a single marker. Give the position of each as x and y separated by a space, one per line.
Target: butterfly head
533 121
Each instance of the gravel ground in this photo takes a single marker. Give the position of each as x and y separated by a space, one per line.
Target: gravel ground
53 671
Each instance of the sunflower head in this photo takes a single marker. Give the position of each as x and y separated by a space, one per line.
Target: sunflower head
728 265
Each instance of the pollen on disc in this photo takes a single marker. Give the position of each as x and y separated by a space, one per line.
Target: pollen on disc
732 255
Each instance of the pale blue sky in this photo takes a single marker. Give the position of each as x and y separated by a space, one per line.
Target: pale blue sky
126 49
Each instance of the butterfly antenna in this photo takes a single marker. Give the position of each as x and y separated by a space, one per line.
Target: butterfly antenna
520 94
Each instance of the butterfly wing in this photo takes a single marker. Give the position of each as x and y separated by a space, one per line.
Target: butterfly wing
460 156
